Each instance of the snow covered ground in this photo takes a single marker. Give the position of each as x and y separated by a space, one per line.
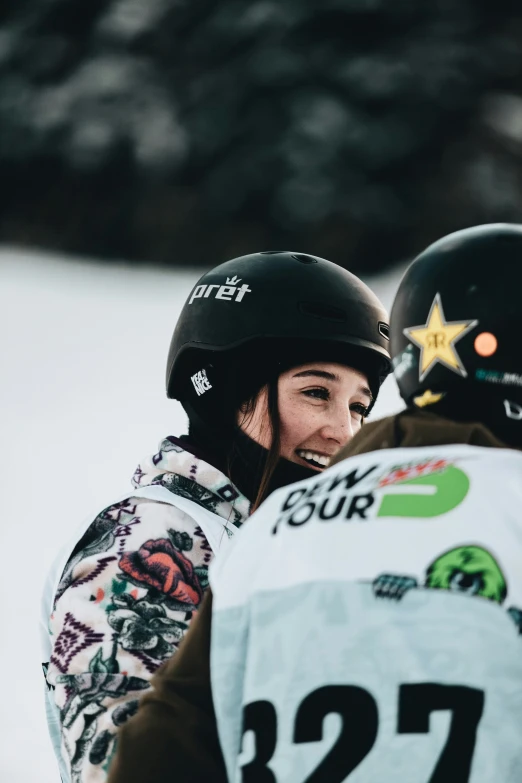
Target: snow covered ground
83 352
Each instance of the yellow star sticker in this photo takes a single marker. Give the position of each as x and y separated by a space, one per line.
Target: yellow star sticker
436 339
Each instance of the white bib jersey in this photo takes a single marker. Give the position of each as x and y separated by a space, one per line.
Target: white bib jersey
367 624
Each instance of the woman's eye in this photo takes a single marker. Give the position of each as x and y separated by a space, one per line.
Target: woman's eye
359 408
318 394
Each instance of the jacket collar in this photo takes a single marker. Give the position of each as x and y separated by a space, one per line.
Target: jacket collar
411 429
185 473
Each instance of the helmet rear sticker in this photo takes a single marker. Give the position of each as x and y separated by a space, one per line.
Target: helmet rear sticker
498 376
428 398
513 410
485 344
436 340
403 362
201 382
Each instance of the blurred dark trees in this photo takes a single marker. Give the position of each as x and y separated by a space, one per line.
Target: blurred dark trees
189 131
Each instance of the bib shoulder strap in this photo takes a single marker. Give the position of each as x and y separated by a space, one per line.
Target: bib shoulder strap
216 529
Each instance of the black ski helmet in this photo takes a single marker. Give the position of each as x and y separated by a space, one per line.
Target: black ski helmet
456 327
259 310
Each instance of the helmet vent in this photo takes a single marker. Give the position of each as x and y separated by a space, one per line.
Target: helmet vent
384 330
304 259
326 312
271 252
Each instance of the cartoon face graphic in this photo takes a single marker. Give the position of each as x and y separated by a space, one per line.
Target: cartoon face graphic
468 569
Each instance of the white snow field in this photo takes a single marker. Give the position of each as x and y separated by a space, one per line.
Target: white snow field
82 399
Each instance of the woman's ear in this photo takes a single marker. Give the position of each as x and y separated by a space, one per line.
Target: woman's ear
252 414
245 412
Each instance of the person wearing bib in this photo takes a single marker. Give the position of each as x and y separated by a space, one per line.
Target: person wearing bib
367 622
276 358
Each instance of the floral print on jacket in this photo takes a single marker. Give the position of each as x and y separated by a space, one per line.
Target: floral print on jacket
125 600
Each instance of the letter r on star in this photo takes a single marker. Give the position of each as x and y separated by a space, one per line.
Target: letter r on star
436 340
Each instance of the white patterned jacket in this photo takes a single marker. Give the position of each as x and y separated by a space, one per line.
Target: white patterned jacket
121 597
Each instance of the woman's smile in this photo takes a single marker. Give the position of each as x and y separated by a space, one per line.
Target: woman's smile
312 458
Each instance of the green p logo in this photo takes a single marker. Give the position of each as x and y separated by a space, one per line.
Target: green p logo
443 491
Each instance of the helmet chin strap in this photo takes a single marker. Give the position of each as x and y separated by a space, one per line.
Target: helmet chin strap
248 462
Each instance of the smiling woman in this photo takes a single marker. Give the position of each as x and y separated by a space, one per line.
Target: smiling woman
321 407
276 359
305 414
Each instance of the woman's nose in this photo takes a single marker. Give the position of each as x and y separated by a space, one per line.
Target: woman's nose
339 425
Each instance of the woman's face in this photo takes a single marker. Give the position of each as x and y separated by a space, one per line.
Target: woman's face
321 407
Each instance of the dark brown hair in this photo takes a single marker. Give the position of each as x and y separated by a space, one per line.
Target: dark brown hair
272 456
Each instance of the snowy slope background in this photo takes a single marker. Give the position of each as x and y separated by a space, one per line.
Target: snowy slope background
83 352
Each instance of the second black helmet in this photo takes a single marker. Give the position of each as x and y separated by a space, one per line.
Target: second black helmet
456 323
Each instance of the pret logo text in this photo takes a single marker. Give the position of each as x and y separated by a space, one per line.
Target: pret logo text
231 291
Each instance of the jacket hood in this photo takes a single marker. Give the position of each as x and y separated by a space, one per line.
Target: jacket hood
412 428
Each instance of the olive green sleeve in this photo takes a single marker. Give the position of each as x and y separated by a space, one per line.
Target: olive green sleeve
173 736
